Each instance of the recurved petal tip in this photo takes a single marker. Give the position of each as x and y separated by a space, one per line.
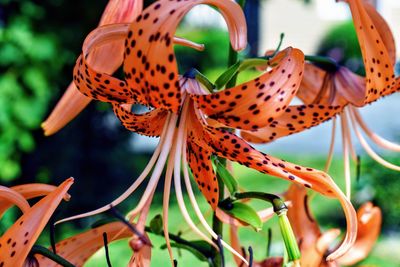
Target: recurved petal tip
69 106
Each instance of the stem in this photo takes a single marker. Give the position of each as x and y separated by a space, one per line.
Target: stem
233 55
48 254
276 201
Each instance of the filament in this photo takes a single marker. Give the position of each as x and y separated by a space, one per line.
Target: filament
346 160
331 146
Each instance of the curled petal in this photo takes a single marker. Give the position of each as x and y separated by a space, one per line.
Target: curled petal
377 61
67 108
226 144
79 248
312 84
150 123
262 99
294 120
26 191
350 86
73 102
10 197
150 60
384 30
18 240
369 227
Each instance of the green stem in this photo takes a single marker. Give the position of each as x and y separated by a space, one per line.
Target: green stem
48 254
233 55
277 203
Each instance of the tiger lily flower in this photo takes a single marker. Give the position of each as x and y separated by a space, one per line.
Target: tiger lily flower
18 240
314 244
73 102
327 92
188 118
79 248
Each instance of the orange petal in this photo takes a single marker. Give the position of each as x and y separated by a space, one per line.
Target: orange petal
73 102
149 42
377 61
294 120
250 105
10 197
311 84
28 191
369 227
350 86
18 240
199 159
149 123
67 108
304 226
384 30
227 145
79 248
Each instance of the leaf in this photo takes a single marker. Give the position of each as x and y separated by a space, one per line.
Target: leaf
225 77
194 251
156 224
246 214
229 181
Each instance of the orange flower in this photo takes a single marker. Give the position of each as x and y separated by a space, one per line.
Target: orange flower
337 91
18 240
188 118
313 244
73 102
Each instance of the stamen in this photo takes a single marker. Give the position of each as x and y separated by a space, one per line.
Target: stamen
369 150
131 227
250 256
132 188
348 134
167 190
331 146
196 206
177 181
346 159
53 236
155 176
380 141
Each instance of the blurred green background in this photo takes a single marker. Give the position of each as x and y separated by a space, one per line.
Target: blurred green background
39 42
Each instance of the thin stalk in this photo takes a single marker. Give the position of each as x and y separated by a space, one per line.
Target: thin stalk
233 55
50 255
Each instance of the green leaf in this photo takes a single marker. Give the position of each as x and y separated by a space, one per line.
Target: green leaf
246 214
194 251
229 181
225 77
156 224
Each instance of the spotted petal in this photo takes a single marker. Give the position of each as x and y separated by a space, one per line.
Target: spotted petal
18 240
294 120
79 248
251 105
150 123
228 145
150 59
73 102
377 61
